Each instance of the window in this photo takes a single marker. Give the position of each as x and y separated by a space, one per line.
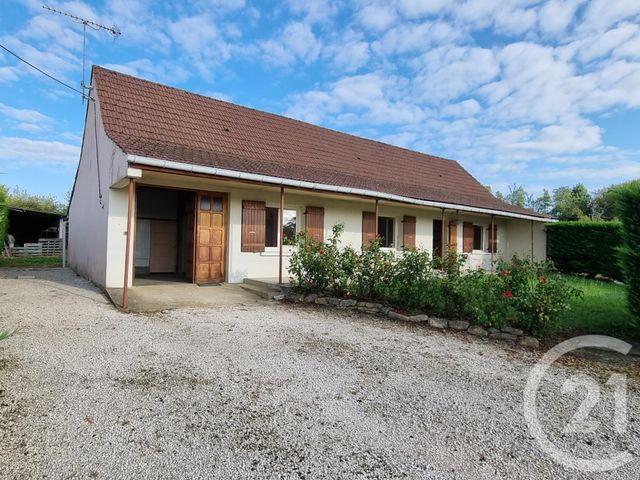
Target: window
477 237
271 227
272 223
290 218
385 231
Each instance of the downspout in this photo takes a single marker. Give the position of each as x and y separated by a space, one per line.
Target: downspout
127 248
281 235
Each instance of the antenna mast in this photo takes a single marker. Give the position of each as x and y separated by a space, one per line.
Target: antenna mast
115 31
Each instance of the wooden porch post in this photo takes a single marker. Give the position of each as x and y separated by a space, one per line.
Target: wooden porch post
377 233
127 248
281 234
443 238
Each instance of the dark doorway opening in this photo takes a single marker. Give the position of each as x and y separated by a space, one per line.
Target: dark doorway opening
164 235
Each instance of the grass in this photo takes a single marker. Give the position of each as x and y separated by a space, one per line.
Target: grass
602 310
6 333
30 261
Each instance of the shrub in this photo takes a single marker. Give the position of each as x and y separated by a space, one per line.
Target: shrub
627 198
531 295
4 215
589 247
537 292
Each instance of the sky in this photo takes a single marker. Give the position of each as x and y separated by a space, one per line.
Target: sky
539 94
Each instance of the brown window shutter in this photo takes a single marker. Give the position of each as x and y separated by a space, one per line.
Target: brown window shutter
493 239
467 237
409 232
453 236
253 226
314 222
368 227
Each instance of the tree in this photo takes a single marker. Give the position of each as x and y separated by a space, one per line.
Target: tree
517 196
19 198
543 204
571 203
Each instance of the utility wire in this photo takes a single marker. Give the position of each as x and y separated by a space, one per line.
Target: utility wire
45 73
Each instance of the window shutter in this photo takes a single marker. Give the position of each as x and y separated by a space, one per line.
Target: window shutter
253 226
467 237
368 228
409 232
493 239
453 236
314 223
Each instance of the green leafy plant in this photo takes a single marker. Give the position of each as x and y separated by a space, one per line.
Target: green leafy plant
531 295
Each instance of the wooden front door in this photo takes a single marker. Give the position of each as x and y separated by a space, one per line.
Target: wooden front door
211 238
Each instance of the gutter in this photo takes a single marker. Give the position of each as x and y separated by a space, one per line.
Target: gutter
286 182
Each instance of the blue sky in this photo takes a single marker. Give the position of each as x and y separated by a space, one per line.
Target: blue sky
519 91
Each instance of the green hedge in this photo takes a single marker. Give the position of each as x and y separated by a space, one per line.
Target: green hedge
586 247
628 209
4 215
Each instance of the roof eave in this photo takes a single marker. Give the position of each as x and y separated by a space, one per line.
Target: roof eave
286 182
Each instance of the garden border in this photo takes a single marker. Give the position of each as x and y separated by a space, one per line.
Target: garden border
506 334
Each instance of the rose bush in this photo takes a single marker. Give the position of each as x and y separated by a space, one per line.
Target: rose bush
522 293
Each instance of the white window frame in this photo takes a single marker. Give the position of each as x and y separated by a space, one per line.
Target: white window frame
286 249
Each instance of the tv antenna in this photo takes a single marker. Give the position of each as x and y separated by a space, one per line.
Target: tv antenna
115 31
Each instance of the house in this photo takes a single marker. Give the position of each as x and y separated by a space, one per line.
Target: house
178 184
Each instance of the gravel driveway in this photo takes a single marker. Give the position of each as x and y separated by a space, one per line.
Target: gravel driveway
272 390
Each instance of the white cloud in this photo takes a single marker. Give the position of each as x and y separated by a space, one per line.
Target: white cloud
25 151
420 8
449 72
556 15
163 72
466 108
601 15
314 10
296 42
200 38
377 17
601 45
408 37
360 98
23 114
348 54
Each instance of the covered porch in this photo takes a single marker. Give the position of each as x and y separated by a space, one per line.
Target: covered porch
206 231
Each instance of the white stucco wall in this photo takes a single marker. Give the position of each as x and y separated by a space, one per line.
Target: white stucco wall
519 239
89 226
513 235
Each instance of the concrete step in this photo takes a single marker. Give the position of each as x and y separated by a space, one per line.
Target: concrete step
261 291
265 284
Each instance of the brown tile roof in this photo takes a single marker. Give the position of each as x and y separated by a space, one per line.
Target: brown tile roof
153 120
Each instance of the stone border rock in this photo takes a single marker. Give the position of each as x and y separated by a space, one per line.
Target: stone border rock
510 335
